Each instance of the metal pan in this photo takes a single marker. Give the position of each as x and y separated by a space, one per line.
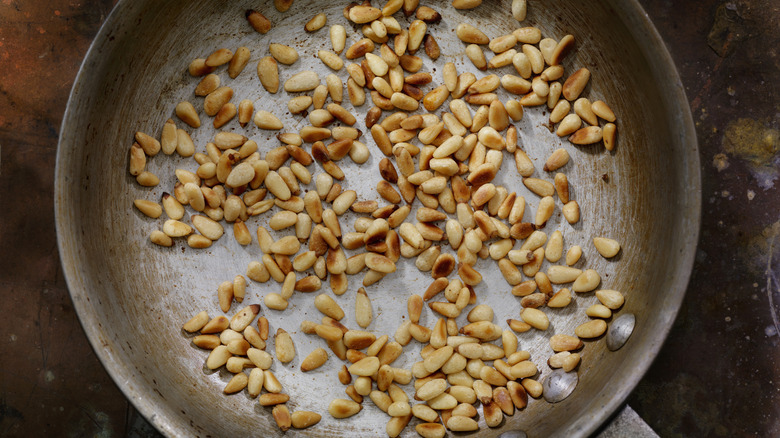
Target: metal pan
133 297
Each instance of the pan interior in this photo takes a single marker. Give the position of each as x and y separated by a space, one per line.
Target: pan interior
133 297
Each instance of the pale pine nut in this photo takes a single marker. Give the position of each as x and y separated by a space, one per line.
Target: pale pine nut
608 248
535 318
610 298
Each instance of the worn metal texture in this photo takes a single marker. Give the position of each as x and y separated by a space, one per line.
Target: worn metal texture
132 297
717 374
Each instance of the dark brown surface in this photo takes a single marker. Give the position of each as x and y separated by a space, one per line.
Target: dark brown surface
719 371
717 375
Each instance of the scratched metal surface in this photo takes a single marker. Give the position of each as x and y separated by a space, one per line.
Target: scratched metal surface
132 297
52 383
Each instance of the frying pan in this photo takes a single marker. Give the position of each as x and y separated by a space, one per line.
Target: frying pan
132 297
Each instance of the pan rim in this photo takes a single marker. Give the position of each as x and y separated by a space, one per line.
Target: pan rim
122 374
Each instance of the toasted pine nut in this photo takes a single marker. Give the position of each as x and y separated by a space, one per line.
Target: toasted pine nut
477 57
284 54
303 81
285 349
314 360
535 318
571 211
328 306
304 419
562 298
187 113
519 8
608 248
470 34
197 322
562 274
275 301
363 313
435 98
582 107
561 183
343 408
524 369
258 21
591 329
316 23
554 250
587 281
610 298
458 423
330 59
561 342
364 14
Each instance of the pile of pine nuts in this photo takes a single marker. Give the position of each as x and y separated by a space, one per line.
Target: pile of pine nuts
446 162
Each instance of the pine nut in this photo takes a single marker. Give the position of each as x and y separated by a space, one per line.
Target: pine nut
363 313
610 298
253 337
431 389
368 366
482 312
435 98
404 102
417 30
330 59
285 349
218 357
244 317
563 274
187 113
545 211
343 408
524 369
316 23
470 34
284 54
304 419
598 311
303 81
173 228
364 14
535 318
255 382
582 107
458 423
557 159
587 281
562 298
266 120
608 248
602 110
197 322
314 360
477 57
562 342
236 384
275 301
540 187
258 21
591 329
328 306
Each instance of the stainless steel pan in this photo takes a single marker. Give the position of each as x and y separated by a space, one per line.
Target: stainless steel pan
133 297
